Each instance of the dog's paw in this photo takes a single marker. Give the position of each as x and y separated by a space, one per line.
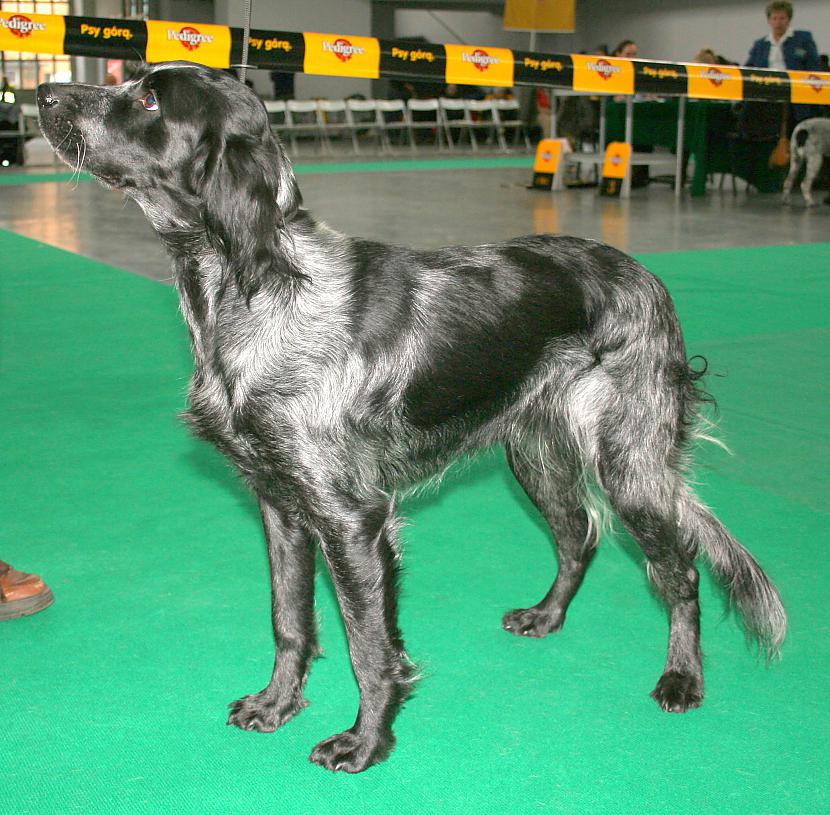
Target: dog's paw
677 692
532 622
350 752
786 199
264 712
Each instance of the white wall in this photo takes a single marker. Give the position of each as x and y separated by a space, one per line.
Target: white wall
669 29
473 27
327 16
677 29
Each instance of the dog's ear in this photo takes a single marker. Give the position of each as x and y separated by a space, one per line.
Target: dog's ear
248 194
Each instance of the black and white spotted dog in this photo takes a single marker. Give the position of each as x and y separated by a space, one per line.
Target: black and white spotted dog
335 371
810 144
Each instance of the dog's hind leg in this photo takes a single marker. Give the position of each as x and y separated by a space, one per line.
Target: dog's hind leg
358 539
789 182
814 161
291 555
636 454
557 490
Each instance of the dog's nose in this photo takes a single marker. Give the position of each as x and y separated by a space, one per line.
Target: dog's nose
45 97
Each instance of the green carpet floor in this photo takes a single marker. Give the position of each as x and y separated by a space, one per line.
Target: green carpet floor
114 700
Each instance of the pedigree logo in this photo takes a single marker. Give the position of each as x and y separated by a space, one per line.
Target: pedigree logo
189 37
604 68
21 26
342 49
714 76
480 59
817 83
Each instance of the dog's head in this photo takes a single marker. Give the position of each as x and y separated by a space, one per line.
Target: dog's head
194 147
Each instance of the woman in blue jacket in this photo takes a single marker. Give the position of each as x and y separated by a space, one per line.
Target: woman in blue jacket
783 49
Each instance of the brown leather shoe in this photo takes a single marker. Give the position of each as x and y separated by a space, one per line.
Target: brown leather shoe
21 593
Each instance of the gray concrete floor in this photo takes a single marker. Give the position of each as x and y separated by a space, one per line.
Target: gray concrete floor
429 209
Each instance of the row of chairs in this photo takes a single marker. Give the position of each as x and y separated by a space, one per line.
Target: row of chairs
440 123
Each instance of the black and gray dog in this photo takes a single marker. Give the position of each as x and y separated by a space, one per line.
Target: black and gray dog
334 371
810 145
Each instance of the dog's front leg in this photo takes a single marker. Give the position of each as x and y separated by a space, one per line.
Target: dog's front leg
291 556
359 547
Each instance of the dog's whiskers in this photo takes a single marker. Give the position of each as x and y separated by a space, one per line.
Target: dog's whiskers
76 175
68 134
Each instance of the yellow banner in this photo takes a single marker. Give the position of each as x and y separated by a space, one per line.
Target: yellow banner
715 82
809 88
473 65
194 42
603 74
37 33
540 15
617 157
339 55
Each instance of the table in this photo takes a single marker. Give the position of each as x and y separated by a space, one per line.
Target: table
707 136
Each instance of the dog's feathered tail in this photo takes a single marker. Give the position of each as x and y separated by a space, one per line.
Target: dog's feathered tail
752 592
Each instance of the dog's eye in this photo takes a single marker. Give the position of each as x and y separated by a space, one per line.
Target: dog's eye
150 101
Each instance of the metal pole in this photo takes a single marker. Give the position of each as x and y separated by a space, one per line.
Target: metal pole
602 137
602 128
246 36
625 192
681 132
552 96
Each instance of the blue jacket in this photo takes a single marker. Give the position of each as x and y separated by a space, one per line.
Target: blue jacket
800 54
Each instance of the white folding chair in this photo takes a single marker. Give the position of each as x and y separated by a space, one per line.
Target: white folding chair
393 117
275 108
333 120
364 117
424 114
456 118
482 121
508 118
301 120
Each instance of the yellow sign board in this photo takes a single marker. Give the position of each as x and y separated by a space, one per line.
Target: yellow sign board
617 158
603 74
540 15
339 55
37 33
193 42
809 88
548 154
715 82
474 65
